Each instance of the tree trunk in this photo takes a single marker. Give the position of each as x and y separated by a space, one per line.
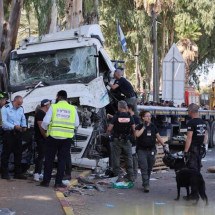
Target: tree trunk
137 85
163 51
91 14
1 26
74 16
53 17
77 17
11 28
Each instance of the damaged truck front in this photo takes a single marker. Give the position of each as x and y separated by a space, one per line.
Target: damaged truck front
75 61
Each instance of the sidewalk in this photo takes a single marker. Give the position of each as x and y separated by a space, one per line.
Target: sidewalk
25 198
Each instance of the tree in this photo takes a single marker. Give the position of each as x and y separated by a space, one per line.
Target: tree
9 28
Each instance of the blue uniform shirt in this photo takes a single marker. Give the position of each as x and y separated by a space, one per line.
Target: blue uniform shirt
12 116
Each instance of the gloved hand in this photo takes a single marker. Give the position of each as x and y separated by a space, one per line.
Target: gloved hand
165 149
186 156
202 150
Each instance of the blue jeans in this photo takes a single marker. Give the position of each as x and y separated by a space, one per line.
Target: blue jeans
146 160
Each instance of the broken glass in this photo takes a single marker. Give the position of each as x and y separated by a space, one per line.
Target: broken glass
73 65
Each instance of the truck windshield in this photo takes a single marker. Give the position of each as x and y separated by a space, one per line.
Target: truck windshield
73 65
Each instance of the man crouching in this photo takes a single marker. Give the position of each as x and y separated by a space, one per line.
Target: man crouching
122 125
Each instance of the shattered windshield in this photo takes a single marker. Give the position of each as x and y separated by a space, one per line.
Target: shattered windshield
72 65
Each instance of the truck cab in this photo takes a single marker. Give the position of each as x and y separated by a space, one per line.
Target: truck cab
72 60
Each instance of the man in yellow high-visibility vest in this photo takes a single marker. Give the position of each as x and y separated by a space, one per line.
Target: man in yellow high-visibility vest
60 122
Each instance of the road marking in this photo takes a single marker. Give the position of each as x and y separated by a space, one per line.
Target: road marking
67 208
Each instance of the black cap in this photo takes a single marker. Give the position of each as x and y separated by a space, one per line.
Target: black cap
45 102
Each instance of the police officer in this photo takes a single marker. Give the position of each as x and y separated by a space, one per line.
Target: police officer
196 138
13 124
123 126
60 122
125 87
146 134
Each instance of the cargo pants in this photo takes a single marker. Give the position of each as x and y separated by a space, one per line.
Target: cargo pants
119 147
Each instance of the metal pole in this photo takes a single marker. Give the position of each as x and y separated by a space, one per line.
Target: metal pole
155 57
173 75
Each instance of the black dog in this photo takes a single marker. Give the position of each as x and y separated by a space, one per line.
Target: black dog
186 178
191 178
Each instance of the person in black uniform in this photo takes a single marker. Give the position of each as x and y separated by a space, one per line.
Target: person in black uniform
125 88
196 138
123 126
40 137
146 134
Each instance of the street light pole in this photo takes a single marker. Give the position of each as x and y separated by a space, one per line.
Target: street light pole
155 56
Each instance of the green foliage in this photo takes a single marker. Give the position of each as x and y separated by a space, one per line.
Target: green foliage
61 5
136 28
42 9
178 19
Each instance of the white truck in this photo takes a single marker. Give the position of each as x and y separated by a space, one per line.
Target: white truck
72 60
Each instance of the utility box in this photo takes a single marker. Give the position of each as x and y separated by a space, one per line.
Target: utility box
173 76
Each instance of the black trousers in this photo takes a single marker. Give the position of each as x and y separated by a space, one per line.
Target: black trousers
68 169
194 161
12 143
61 147
41 146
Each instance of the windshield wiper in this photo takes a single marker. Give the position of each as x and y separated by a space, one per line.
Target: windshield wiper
40 84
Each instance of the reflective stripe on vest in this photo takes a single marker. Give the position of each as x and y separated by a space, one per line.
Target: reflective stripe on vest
63 120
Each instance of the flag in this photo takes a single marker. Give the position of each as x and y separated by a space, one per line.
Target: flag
121 37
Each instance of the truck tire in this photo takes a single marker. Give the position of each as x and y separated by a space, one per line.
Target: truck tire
212 134
209 131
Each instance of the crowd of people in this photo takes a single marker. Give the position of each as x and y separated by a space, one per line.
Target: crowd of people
55 126
54 130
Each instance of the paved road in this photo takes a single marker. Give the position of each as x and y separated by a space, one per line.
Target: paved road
25 198
159 201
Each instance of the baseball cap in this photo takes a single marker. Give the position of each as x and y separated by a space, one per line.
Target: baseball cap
45 102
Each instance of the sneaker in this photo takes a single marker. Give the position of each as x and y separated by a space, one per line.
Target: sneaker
146 189
36 177
41 176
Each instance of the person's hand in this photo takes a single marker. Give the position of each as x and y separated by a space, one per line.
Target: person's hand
165 149
109 116
18 128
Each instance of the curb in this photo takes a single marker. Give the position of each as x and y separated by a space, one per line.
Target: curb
67 208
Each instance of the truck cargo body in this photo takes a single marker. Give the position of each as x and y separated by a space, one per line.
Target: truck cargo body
171 122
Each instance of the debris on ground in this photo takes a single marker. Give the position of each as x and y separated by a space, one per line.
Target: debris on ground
123 185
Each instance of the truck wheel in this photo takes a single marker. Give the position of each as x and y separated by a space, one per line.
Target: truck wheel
209 139
212 134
